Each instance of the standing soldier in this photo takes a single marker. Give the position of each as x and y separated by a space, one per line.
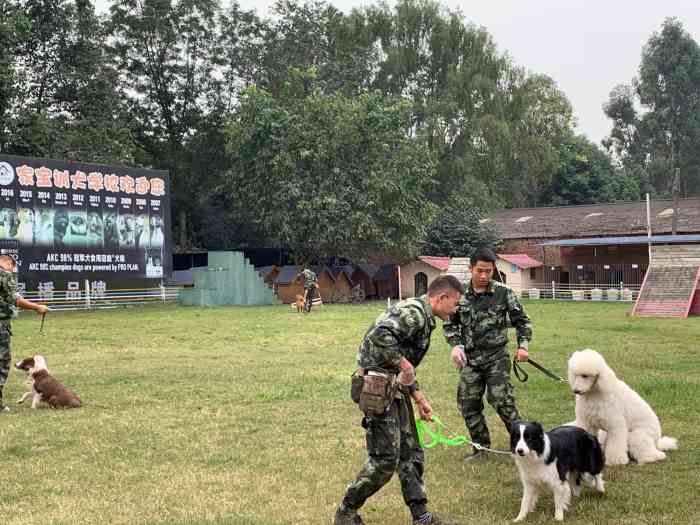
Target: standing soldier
9 300
478 335
310 285
392 347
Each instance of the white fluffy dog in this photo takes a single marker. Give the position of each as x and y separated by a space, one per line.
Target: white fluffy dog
625 423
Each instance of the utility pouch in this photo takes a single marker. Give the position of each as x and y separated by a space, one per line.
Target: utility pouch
378 390
356 382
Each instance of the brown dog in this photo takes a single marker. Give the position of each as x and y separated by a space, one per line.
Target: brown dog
44 387
299 303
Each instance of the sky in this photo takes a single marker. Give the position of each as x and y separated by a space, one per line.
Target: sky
587 46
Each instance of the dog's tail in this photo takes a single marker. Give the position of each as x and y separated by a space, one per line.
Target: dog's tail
667 443
597 455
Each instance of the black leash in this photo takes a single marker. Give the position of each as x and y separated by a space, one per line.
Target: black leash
41 328
522 375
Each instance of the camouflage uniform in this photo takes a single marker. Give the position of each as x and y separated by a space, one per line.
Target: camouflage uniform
392 444
8 310
310 280
480 326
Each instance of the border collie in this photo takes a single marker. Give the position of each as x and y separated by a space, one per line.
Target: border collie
44 387
557 460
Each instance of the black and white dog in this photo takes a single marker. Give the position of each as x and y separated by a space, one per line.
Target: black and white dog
558 460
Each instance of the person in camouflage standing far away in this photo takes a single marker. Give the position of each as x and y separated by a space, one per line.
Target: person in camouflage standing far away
396 343
9 301
310 285
478 334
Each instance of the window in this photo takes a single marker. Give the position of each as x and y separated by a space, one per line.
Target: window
420 283
533 274
513 268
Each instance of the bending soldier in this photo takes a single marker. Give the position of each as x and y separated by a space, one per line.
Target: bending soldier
390 351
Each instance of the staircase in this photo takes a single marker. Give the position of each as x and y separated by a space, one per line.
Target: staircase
669 288
228 280
459 267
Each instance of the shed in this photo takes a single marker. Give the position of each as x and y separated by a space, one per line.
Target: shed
364 275
517 270
342 286
386 281
416 276
287 285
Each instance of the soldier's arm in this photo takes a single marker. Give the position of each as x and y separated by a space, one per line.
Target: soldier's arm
452 330
519 319
29 305
393 333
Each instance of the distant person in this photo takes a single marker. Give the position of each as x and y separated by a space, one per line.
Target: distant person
310 286
9 301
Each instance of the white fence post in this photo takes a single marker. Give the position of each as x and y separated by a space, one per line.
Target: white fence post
87 294
162 291
554 291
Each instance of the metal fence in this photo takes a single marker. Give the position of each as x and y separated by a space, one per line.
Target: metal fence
96 298
581 292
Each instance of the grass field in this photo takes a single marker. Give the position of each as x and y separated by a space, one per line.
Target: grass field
242 416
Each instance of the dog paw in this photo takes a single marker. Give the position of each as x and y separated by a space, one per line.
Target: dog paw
613 461
559 515
519 518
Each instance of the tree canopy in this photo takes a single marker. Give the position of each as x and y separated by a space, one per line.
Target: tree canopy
379 133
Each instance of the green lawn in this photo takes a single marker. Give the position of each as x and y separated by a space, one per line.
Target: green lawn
242 416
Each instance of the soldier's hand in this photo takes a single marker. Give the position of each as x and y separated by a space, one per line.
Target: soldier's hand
42 309
521 355
425 410
458 357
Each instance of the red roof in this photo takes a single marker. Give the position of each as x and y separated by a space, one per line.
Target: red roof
441 263
520 260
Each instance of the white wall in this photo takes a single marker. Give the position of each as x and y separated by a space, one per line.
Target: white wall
408 273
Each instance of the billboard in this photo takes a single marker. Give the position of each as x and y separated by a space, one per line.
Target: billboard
73 221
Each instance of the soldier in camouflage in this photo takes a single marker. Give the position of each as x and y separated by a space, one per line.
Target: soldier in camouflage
9 301
397 342
310 285
478 335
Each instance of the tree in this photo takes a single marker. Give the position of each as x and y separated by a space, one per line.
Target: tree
495 129
302 36
65 101
665 135
168 54
459 230
586 175
330 175
13 28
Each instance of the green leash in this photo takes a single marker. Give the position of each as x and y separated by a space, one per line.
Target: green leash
438 436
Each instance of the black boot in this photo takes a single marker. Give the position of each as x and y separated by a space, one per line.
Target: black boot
345 516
